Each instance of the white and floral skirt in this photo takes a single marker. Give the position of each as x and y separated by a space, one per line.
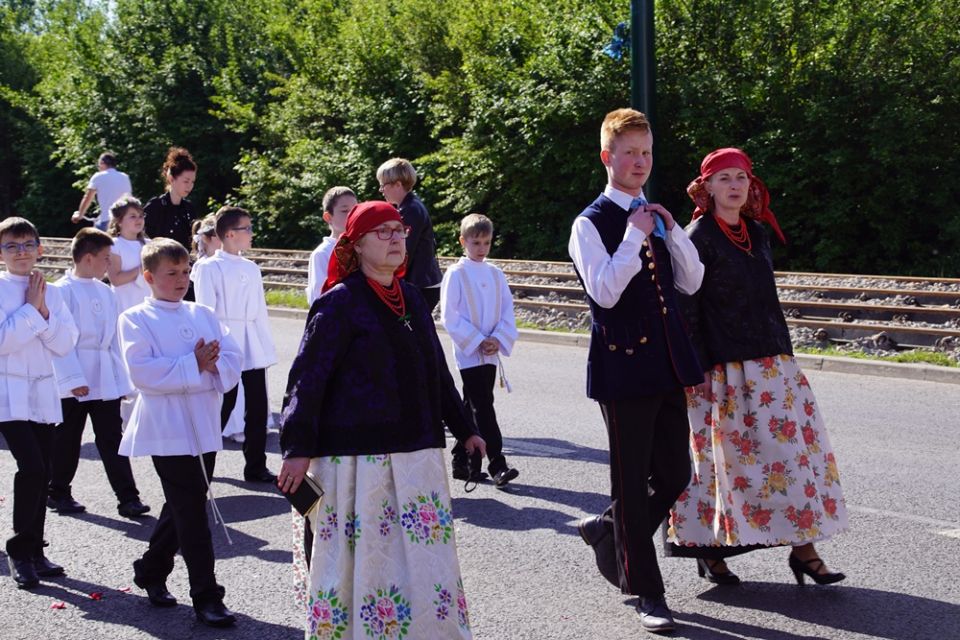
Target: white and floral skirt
384 562
764 472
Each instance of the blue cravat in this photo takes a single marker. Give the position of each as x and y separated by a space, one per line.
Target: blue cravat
659 229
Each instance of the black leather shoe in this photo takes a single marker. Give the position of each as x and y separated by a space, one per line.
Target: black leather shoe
504 476
45 568
655 615
213 613
596 533
264 475
159 596
23 573
65 505
707 569
132 508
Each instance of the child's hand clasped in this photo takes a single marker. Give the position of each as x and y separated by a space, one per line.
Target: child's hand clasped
81 392
207 354
490 346
36 293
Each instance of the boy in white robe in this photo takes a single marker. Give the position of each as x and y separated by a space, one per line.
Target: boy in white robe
337 203
232 286
35 327
92 379
476 309
182 359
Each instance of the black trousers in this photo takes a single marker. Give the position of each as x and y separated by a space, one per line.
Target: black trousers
182 526
478 384
254 418
107 431
31 444
649 469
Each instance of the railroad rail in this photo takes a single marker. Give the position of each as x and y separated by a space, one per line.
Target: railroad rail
896 312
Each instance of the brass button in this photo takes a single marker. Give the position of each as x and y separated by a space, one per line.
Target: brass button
613 347
644 244
643 340
650 266
653 277
661 297
664 311
649 253
629 352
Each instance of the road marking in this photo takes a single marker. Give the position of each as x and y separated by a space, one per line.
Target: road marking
529 448
909 517
949 533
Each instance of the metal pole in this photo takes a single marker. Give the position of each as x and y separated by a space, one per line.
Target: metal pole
642 66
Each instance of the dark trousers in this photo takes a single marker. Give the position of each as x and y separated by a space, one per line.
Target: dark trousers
31 444
478 383
107 431
182 526
431 296
649 469
254 418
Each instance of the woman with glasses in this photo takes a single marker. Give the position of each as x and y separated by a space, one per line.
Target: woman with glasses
367 399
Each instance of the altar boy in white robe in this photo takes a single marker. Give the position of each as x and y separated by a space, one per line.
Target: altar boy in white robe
232 286
92 379
35 327
182 360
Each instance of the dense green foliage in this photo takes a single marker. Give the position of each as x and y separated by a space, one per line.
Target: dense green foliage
847 107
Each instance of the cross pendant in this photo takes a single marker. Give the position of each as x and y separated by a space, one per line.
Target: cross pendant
406 323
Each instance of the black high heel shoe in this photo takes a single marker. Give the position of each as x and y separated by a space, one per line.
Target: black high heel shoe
706 571
807 567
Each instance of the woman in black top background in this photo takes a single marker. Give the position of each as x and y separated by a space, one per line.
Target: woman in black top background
171 215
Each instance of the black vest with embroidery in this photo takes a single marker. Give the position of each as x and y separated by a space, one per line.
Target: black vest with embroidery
640 346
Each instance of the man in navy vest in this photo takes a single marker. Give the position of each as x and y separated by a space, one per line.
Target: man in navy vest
631 258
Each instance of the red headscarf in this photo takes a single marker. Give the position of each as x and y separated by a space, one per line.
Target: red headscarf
363 218
758 198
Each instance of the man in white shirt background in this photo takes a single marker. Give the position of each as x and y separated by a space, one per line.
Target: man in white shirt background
107 184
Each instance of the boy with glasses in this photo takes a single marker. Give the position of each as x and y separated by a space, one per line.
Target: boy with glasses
35 327
232 286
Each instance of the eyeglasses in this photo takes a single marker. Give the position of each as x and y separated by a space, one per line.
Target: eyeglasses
385 184
246 229
27 247
386 233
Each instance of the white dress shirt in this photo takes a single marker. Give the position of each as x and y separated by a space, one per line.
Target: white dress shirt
317 268
109 185
606 276
475 304
95 362
28 345
178 409
233 287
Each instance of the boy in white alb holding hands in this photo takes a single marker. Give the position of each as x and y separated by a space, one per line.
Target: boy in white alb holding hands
92 379
182 360
232 286
35 327
476 309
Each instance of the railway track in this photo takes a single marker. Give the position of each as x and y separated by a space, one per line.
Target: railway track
894 312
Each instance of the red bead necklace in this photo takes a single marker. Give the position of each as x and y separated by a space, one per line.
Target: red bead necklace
393 298
740 238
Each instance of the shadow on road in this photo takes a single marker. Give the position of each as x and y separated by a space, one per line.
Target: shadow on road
870 612
554 448
133 610
493 514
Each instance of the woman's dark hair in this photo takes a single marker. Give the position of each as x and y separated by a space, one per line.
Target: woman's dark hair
178 160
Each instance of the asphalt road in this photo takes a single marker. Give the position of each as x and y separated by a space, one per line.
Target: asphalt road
526 572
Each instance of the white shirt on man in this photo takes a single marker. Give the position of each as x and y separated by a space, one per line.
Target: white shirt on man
110 185
475 304
95 362
28 345
130 293
317 267
178 409
233 287
606 276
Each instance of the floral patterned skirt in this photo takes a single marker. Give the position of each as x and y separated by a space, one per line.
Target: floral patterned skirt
384 562
763 469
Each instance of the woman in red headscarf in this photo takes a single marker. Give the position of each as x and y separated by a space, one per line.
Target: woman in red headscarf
367 398
764 472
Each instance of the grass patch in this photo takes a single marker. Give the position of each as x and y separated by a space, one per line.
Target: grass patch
913 357
523 324
290 298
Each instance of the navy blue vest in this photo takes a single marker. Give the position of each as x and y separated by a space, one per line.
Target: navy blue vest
640 346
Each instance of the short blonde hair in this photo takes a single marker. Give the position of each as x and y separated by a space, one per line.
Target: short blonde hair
620 121
397 169
156 251
476 224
